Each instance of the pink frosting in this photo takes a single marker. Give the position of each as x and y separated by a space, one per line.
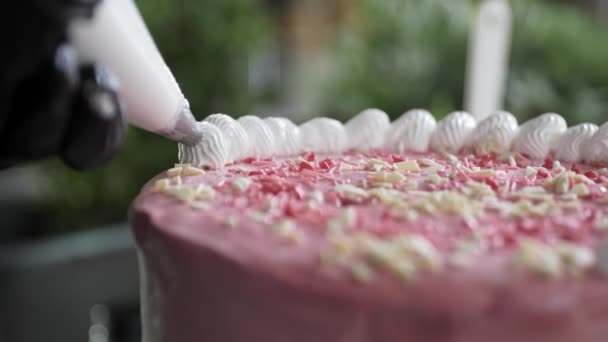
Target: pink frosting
247 283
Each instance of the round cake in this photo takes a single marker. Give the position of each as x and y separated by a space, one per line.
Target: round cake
373 231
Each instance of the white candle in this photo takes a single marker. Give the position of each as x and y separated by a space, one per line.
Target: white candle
488 55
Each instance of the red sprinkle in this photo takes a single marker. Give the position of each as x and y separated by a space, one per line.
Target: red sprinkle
309 156
487 160
397 158
591 174
492 183
327 164
542 173
306 166
548 163
575 168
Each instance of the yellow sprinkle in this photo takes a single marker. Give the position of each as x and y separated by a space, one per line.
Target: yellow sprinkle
161 184
530 171
433 178
192 171
231 222
485 173
557 166
431 163
347 167
418 247
342 245
408 165
575 258
173 172
362 272
375 162
204 192
561 183
580 190
539 258
345 218
199 205
352 192
240 184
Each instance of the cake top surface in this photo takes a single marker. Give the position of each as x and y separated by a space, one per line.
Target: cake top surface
383 217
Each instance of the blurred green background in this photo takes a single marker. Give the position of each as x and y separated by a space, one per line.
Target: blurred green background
314 57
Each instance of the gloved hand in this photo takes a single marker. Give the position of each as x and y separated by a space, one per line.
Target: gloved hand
49 104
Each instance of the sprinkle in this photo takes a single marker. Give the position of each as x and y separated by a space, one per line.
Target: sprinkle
453 160
431 163
341 245
385 196
403 268
601 224
433 178
602 258
204 192
199 205
580 190
394 177
240 184
316 196
177 180
362 272
176 171
346 167
284 227
161 185
538 257
557 166
192 171
352 192
478 189
575 258
418 247
411 185
345 218
408 165
485 173
530 171
258 216
512 161
374 162
230 222
561 183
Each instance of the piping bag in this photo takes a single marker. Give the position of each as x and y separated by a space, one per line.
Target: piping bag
117 37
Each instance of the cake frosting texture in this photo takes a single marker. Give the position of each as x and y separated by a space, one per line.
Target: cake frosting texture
382 245
414 131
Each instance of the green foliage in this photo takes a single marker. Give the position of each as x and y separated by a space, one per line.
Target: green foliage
410 53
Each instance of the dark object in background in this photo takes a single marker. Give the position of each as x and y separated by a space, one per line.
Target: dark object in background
49 105
68 287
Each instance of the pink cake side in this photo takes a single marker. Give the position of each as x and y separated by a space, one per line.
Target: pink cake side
269 259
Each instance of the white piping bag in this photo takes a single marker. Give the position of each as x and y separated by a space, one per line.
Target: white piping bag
118 38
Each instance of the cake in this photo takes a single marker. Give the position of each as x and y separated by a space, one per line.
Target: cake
372 231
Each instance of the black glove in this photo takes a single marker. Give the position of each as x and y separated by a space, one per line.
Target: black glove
49 104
